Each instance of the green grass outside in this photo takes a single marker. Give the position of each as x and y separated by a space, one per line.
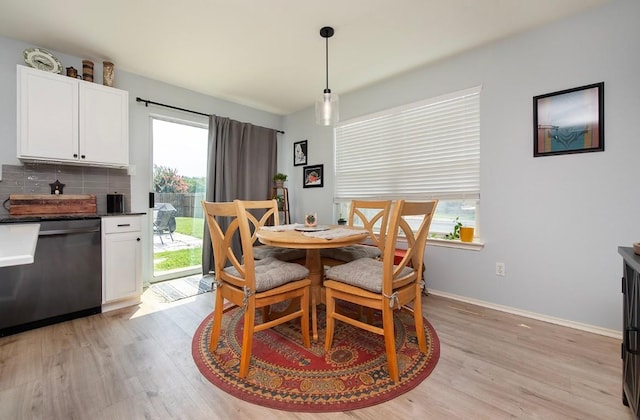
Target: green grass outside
190 226
172 260
183 258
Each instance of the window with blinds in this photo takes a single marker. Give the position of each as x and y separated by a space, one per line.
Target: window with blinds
425 150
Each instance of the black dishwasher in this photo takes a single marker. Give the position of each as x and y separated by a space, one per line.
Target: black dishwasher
64 282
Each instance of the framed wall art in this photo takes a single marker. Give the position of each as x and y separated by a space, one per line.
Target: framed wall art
313 176
569 121
300 153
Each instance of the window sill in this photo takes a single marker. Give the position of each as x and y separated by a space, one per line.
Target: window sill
454 243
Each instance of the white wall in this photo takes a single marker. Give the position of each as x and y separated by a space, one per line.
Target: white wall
555 222
139 119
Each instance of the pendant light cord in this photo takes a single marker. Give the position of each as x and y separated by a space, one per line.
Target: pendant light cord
326 49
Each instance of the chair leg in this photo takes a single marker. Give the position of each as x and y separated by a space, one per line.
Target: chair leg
390 342
369 312
304 319
160 235
330 309
247 339
266 313
314 315
217 320
419 321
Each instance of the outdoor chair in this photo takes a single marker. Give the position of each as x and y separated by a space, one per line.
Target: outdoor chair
248 283
165 221
383 286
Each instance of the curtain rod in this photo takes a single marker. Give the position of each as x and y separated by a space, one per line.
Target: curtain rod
147 102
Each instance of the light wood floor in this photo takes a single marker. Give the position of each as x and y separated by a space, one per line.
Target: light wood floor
136 363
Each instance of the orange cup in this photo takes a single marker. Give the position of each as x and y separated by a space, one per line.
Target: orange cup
466 234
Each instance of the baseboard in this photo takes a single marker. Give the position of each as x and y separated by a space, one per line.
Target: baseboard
558 321
122 303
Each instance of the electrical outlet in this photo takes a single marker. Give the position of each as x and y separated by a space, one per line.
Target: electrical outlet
500 269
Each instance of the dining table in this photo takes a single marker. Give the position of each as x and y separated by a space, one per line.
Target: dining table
312 239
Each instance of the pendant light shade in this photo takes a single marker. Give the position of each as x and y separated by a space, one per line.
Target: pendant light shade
327 104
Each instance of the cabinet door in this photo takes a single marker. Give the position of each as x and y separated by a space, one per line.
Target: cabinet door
631 337
47 115
123 265
104 127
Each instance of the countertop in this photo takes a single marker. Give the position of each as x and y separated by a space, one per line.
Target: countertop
630 257
18 243
29 218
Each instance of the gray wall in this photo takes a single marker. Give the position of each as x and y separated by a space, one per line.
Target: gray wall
140 147
555 222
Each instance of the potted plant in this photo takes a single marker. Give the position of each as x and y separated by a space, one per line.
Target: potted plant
455 233
280 200
279 179
311 219
342 220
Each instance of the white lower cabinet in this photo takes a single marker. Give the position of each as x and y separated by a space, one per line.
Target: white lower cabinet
121 261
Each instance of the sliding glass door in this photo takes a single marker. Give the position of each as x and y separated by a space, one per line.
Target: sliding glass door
179 173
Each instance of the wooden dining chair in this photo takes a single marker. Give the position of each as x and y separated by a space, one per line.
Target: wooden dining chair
248 283
261 251
383 286
373 215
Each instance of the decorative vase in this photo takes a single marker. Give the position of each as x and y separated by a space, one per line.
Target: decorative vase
107 73
279 183
466 234
87 70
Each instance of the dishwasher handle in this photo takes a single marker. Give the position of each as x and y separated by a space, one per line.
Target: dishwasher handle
70 231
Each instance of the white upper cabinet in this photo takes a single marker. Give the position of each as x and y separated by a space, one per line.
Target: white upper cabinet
104 127
68 120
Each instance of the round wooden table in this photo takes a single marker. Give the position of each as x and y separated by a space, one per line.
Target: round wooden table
296 239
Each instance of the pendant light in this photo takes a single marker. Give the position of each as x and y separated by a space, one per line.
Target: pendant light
327 104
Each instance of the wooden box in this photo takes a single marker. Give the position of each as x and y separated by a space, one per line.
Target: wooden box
51 204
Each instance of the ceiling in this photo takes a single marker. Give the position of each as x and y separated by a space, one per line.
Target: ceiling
269 54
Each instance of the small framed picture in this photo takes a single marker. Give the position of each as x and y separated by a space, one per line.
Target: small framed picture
300 153
313 176
569 121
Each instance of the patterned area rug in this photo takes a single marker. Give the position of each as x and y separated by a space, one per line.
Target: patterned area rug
285 375
172 290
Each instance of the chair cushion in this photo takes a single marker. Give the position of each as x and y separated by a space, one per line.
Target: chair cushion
283 254
351 252
271 273
365 273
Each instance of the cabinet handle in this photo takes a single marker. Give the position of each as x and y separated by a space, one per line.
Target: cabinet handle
138 239
627 340
75 155
124 224
82 156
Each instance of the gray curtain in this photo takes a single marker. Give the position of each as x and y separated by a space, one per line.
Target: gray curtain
241 162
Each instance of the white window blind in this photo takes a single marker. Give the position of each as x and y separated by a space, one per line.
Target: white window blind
420 151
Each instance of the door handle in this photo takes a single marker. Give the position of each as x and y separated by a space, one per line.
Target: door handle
627 340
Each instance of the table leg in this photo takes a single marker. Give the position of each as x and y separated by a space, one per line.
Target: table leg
314 264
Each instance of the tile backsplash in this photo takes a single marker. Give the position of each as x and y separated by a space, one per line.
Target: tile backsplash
34 178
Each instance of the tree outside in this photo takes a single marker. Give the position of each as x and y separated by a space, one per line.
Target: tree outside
167 179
